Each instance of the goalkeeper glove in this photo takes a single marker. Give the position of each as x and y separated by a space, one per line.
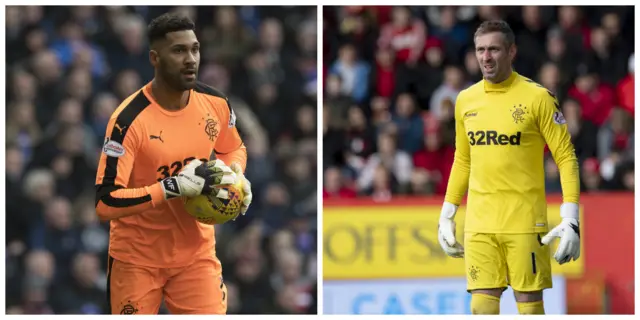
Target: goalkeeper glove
569 233
246 187
447 231
197 178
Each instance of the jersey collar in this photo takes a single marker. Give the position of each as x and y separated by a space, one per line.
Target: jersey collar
502 86
147 92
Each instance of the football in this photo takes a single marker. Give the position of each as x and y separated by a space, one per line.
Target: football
212 210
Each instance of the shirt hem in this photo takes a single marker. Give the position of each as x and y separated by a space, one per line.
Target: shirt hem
203 255
493 231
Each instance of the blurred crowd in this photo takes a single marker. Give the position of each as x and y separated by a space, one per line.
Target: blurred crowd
392 74
68 68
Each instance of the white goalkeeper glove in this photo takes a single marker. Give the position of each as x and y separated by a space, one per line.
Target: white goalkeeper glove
197 178
447 231
246 187
569 233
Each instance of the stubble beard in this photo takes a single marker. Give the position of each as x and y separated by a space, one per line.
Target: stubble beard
176 81
501 73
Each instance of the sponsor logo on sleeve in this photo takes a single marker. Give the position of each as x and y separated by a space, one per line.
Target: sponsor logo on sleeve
558 118
112 148
232 119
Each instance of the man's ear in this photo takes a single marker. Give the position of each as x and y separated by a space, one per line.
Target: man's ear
154 58
513 51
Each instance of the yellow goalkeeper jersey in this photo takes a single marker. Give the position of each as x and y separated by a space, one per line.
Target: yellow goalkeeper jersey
501 132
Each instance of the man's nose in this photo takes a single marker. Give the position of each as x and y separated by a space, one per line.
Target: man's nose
190 59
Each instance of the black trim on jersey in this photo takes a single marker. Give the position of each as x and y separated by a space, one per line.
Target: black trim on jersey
201 87
118 133
211 91
109 270
103 192
220 153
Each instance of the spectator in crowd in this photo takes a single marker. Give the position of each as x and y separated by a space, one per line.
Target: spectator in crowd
625 89
404 34
409 123
354 73
451 86
70 68
400 135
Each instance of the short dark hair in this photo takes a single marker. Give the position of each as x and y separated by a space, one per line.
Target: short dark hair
501 26
166 23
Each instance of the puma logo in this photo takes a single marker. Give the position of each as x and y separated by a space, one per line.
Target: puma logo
159 137
117 126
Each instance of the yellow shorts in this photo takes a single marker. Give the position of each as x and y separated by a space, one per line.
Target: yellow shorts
499 260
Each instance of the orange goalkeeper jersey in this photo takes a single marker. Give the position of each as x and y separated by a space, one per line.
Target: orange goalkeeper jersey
144 144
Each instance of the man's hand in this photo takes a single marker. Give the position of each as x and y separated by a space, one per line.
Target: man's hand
246 187
569 233
447 231
198 178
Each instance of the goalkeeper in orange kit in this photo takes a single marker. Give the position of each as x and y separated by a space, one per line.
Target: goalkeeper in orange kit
503 123
157 150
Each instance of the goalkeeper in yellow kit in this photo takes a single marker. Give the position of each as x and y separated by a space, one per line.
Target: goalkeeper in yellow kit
503 123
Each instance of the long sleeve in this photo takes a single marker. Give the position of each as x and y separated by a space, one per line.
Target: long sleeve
459 178
229 146
113 199
554 130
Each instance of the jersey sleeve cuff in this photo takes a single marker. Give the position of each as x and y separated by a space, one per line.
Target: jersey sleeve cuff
453 200
157 194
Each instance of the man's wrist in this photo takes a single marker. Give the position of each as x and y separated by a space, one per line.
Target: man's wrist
570 210
238 164
157 194
448 210
170 187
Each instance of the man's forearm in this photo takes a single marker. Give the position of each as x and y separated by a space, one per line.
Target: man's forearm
569 179
113 203
458 182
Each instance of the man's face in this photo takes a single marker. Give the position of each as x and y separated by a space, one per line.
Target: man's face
493 56
177 59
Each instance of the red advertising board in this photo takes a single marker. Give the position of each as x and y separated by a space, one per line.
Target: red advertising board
608 235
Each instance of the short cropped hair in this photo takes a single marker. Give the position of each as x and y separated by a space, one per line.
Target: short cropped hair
167 23
497 26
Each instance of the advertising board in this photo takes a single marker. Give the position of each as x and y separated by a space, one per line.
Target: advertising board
421 296
382 242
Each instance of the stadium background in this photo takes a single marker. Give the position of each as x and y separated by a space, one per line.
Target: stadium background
68 68
391 76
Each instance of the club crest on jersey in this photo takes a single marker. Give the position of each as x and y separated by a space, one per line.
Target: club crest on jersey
112 148
518 113
210 127
558 118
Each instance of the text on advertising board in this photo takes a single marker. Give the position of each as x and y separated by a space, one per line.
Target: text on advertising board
399 242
